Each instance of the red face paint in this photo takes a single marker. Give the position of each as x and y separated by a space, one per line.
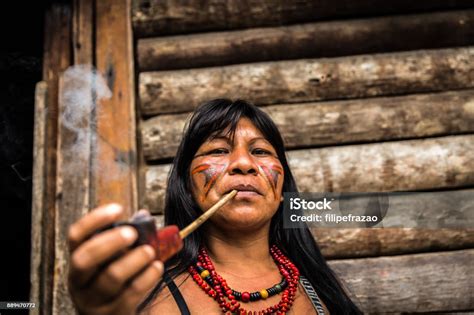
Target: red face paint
272 173
211 173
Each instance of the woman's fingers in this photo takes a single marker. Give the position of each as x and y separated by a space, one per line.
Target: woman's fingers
140 287
112 279
137 290
87 258
90 223
106 276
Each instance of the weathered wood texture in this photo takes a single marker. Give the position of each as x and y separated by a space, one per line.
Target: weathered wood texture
116 178
309 79
155 187
73 151
82 29
439 209
72 187
39 200
74 182
405 165
442 281
337 122
349 243
56 59
388 166
324 39
153 17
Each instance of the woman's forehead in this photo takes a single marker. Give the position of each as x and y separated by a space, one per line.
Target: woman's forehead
245 129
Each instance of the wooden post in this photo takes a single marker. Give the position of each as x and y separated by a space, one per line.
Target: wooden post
116 156
56 59
39 198
73 149
75 176
83 21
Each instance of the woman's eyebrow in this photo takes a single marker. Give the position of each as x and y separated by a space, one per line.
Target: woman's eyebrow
225 138
259 138
228 140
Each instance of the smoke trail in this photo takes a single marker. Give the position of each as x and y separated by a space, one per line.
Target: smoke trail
82 87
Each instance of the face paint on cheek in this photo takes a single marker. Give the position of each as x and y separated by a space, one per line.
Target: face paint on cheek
211 172
272 173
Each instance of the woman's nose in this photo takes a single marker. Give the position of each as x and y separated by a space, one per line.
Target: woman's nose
242 162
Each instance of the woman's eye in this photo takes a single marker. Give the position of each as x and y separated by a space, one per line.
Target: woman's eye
261 152
218 151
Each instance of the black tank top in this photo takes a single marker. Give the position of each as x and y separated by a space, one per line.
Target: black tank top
183 307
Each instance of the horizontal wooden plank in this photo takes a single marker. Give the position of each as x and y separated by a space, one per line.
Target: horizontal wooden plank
309 79
153 17
336 122
368 242
441 281
323 39
388 166
405 165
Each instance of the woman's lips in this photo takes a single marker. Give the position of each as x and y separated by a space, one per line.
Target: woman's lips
246 194
244 188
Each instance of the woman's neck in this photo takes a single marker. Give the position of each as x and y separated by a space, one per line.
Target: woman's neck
245 254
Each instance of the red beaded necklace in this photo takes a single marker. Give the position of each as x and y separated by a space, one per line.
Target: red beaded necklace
216 287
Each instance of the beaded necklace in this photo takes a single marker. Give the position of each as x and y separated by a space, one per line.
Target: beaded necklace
215 286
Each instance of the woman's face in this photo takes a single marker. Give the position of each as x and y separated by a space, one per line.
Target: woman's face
249 164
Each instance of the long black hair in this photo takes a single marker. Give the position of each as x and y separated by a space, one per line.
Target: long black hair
210 119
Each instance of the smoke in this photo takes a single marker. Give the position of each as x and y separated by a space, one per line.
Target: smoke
82 88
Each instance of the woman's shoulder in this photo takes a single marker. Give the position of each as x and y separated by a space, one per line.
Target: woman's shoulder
195 299
164 302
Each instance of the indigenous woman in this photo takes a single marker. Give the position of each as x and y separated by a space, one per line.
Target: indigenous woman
241 261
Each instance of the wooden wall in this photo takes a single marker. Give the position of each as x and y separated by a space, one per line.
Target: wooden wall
89 35
369 96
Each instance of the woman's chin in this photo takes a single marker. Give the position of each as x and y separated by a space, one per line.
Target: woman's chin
244 216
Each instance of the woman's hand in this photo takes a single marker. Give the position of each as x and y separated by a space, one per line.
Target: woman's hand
105 277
